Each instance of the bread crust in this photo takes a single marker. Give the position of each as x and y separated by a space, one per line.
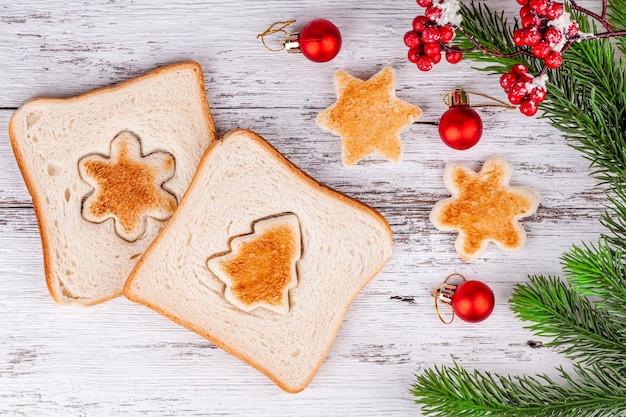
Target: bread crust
38 203
312 183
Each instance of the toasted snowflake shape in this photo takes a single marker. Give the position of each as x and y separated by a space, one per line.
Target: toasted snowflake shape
127 186
261 268
368 116
484 208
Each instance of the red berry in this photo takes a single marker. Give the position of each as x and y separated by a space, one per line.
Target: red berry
507 80
538 94
424 63
518 90
513 99
531 36
411 39
522 2
529 21
524 11
572 30
446 33
419 23
414 53
554 10
553 60
433 13
524 78
553 35
517 37
528 107
453 57
425 3
519 69
430 34
539 6
541 50
432 48
436 58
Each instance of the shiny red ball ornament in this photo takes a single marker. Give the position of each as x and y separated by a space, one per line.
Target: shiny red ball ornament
473 301
460 126
319 40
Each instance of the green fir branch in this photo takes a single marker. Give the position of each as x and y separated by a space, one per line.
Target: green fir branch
455 391
599 271
584 332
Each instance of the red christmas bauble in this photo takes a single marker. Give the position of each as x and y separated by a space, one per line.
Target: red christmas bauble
460 127
320 40
473 301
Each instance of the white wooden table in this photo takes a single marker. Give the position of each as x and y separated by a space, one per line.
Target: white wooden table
120 358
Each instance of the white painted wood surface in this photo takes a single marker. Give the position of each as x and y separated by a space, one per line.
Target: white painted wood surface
120 358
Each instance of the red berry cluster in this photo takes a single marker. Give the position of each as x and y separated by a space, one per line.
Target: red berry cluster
427 39
517 84
536 32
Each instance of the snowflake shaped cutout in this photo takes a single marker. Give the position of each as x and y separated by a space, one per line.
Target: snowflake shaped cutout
127 186
484 208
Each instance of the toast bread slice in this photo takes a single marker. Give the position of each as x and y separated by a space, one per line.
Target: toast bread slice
242 180
484 208
368 116
86 258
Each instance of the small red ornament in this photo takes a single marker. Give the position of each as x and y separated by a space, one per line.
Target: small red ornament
319 40
472 301
460 126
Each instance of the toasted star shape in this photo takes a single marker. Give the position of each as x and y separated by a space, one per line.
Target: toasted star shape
368 116
127 186
484 208
260 269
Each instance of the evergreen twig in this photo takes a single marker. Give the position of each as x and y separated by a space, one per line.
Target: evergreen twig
455 391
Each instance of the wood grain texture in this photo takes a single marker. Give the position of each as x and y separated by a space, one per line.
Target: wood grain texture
119 358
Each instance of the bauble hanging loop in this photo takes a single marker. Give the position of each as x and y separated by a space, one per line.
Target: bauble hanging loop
471 301
319 40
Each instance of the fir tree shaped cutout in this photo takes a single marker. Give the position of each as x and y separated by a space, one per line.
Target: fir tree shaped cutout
260 268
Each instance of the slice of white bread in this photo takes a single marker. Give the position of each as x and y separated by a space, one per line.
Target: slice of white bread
164 115
240 181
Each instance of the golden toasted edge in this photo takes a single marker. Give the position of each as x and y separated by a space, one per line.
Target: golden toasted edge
309 180
56 293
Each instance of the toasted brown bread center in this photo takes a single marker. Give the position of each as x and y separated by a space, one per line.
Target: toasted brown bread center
128 186
484 209
262 268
